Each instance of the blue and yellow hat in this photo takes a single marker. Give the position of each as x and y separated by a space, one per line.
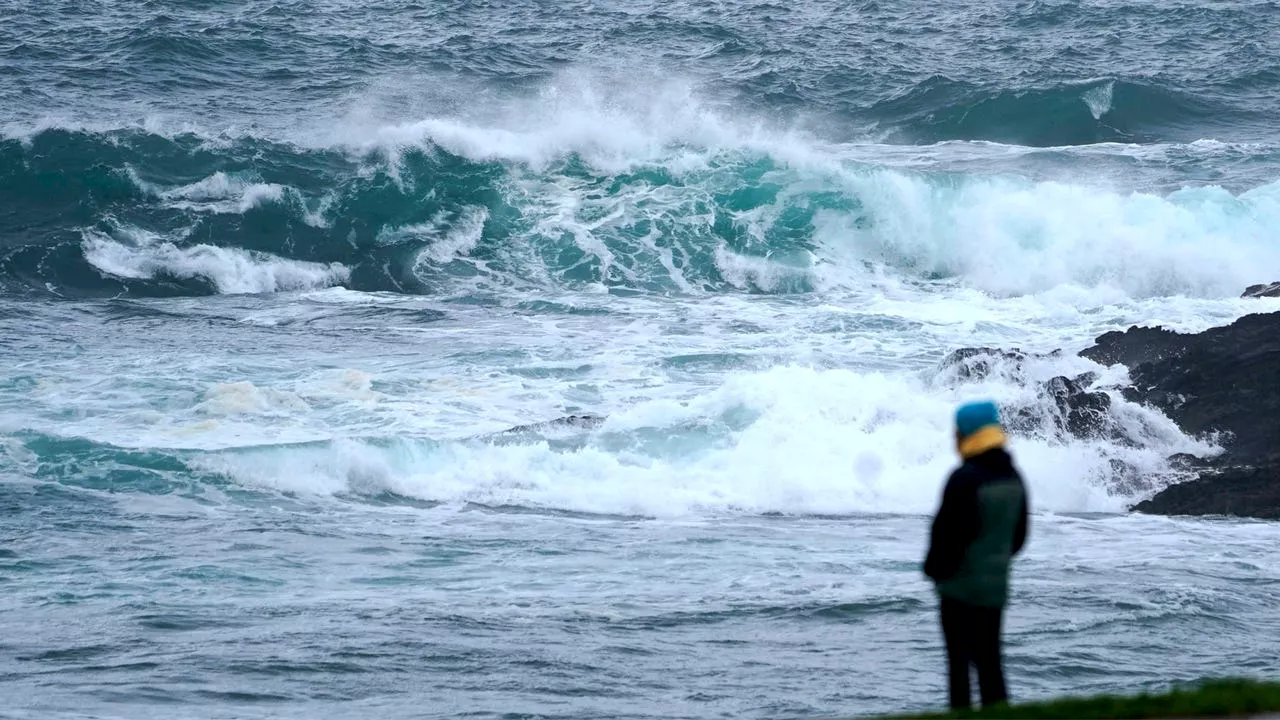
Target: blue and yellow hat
978 428
972 417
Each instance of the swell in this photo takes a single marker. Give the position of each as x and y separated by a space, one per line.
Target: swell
1105 110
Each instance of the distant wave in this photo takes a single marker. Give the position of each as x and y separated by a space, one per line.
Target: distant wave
1105 110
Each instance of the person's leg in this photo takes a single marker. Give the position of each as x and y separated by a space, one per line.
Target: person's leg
956 631
987 655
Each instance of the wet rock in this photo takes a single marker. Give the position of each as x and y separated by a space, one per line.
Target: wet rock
1126 479
975 364
1261 291
971 365
1240 491
1224 380
1223 383
585 422
1189 462
1136 346
1072 408
1082 413
1086 379
568 432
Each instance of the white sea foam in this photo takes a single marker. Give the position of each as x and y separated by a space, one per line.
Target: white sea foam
798 440
1013 237
226 193
446 239
231 270
1098 98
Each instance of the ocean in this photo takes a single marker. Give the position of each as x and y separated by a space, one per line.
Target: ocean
587 359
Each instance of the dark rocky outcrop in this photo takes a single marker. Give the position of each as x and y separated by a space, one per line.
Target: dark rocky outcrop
1224 381
1242 491
1073 411
586 421
1261 291
1083 413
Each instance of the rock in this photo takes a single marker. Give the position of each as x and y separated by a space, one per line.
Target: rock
1126 479
1223 380
586 421
973 364
1136 346
1082 413
1223 383
1249 492
1188 462
969 365
1072 409
1086 379
567 431
1261 291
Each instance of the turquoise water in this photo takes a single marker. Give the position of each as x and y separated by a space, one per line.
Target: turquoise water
292 297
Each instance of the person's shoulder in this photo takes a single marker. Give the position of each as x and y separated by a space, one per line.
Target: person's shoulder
966 475
1014 471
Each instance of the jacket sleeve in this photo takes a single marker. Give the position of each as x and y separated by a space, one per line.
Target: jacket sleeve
1020 531
954 528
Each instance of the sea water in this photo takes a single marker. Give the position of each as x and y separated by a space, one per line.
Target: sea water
295 298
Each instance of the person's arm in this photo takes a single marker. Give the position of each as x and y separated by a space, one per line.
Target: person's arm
954 528
1020 531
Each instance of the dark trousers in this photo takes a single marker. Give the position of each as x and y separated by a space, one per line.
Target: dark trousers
973 638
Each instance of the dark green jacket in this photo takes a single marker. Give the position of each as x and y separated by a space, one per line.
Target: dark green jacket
980 526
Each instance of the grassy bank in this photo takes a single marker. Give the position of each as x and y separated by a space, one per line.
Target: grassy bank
1218 698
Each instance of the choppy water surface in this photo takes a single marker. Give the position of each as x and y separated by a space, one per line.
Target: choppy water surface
277 282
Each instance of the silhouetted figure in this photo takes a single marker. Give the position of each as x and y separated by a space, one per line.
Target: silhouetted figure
980 526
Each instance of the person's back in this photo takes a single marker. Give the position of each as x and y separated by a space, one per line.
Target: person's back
980 526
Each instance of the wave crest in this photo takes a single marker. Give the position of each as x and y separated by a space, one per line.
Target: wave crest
227 270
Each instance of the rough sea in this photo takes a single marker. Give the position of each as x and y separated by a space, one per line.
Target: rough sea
294 298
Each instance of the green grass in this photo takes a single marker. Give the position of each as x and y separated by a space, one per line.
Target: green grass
1216 698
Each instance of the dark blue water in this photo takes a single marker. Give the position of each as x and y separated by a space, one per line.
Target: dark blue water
277 280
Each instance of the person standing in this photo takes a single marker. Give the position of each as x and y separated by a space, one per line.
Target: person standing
979 527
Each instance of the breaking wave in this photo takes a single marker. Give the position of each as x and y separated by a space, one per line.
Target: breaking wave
591 197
